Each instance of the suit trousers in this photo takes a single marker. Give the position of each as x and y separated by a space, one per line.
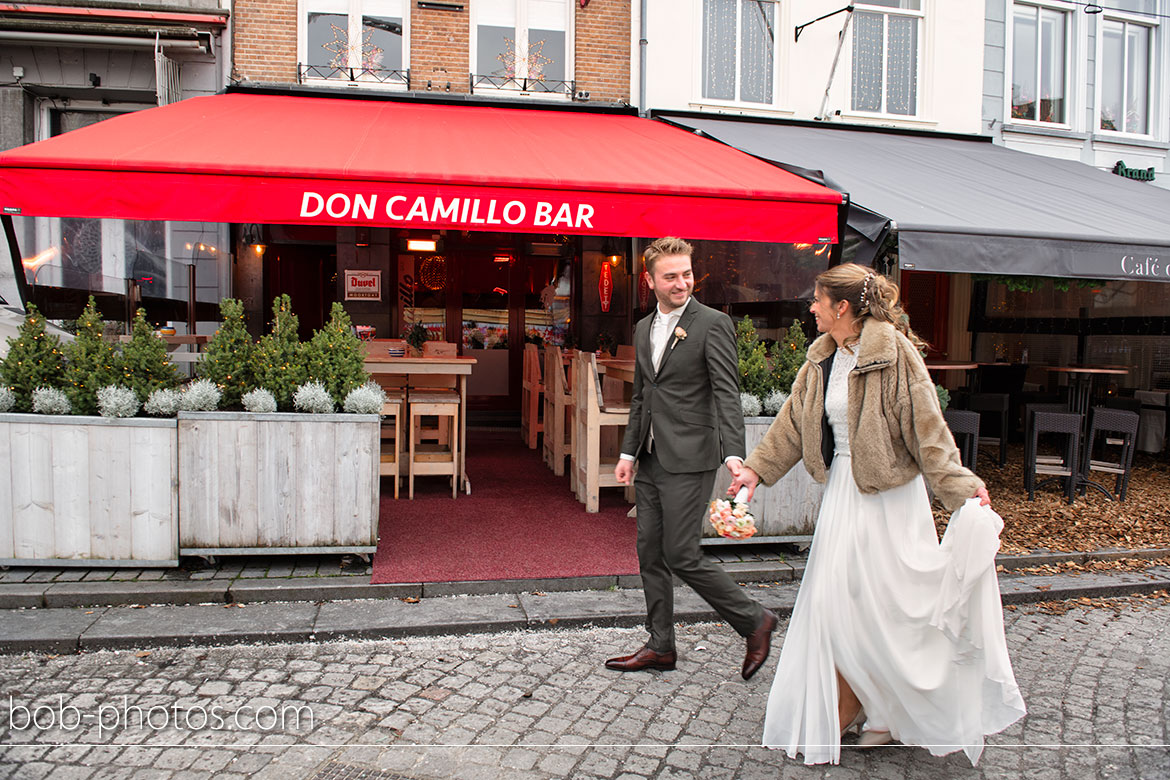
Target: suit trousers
671 512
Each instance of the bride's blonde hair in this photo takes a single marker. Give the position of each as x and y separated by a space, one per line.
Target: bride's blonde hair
869 294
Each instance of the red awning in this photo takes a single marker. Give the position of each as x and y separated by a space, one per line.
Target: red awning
283 159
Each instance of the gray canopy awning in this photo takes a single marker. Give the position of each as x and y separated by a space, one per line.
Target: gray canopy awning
962 204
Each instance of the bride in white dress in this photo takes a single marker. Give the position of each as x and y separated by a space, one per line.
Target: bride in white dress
892 631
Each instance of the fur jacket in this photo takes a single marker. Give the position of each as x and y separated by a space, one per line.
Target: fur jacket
896 428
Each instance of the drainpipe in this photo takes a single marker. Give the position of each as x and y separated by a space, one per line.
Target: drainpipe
642 58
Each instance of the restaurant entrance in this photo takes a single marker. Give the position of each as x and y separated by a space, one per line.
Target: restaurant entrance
504 296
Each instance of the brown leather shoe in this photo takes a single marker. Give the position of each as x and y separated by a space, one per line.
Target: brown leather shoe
645 658
759 642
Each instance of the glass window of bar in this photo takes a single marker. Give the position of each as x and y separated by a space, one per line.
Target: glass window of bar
355 40
521 44
1039 57
1125 76
886 57
739 47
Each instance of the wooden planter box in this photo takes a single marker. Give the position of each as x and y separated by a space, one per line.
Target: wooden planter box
785 512
277 483
80 491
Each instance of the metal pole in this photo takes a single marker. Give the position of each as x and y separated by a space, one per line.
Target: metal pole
836 56
191 299
14 250
642 42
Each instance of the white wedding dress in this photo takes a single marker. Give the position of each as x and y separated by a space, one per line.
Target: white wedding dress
914 626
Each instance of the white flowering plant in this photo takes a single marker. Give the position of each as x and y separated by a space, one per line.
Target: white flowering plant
774 401
163 402
202 395
7 399
259 401
117 401
50 400
313 398
366 399
751 404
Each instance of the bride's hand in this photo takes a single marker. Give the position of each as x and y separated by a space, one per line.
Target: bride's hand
746 478
984 499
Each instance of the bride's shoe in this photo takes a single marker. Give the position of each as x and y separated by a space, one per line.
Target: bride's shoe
874 738
855 724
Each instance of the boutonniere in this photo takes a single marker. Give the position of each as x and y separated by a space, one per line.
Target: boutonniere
679 333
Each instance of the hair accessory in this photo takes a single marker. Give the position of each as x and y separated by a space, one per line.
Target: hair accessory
865 290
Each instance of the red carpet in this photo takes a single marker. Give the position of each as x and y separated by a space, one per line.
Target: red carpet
519 522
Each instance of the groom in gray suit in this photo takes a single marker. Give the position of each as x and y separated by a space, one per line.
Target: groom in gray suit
685 421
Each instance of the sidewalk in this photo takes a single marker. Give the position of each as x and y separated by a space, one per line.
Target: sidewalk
72 610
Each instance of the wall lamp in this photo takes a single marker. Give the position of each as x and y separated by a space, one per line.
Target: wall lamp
253 235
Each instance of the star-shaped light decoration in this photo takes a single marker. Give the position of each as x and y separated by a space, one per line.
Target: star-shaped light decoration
535 61
371 55
339 46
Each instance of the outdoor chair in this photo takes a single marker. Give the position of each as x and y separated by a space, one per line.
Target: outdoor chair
558 411
1065 467
591 468
1123 424
995 406
964 427
441 457
390 454
531 397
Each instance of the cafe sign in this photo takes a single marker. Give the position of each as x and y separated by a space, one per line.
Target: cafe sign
363 285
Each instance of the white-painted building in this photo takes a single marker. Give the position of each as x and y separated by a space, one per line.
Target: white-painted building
1081 81
909 63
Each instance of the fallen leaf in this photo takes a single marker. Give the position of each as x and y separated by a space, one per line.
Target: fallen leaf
410 600
142 654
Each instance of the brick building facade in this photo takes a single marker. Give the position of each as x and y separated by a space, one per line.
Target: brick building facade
268 36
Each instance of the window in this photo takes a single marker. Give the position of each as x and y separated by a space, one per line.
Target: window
739 45
355 40
1125 80
886 37
522 44
1039 57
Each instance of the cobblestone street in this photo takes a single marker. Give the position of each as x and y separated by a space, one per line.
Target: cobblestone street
540 705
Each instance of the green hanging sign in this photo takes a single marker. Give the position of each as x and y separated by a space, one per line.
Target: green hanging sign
1140 174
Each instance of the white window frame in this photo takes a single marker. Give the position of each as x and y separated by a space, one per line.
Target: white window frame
780 51
920 99
522 45
1071 71
354 15
1154 77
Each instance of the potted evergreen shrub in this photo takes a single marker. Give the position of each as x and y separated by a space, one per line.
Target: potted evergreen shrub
76 486
287 474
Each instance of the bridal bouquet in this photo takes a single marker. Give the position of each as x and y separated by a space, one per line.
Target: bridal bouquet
731 518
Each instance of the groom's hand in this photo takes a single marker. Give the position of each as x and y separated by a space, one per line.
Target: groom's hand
623 472
746 477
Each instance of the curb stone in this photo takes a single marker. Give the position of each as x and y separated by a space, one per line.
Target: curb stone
63 629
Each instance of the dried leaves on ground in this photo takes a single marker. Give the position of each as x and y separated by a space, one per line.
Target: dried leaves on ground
1119 604
1093 522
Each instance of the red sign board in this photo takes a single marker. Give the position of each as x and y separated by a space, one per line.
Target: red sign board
643 292
605 286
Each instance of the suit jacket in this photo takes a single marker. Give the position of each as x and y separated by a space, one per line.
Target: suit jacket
693 397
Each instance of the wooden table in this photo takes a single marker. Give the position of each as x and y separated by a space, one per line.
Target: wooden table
950 366
1081 381
460 367
617 368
